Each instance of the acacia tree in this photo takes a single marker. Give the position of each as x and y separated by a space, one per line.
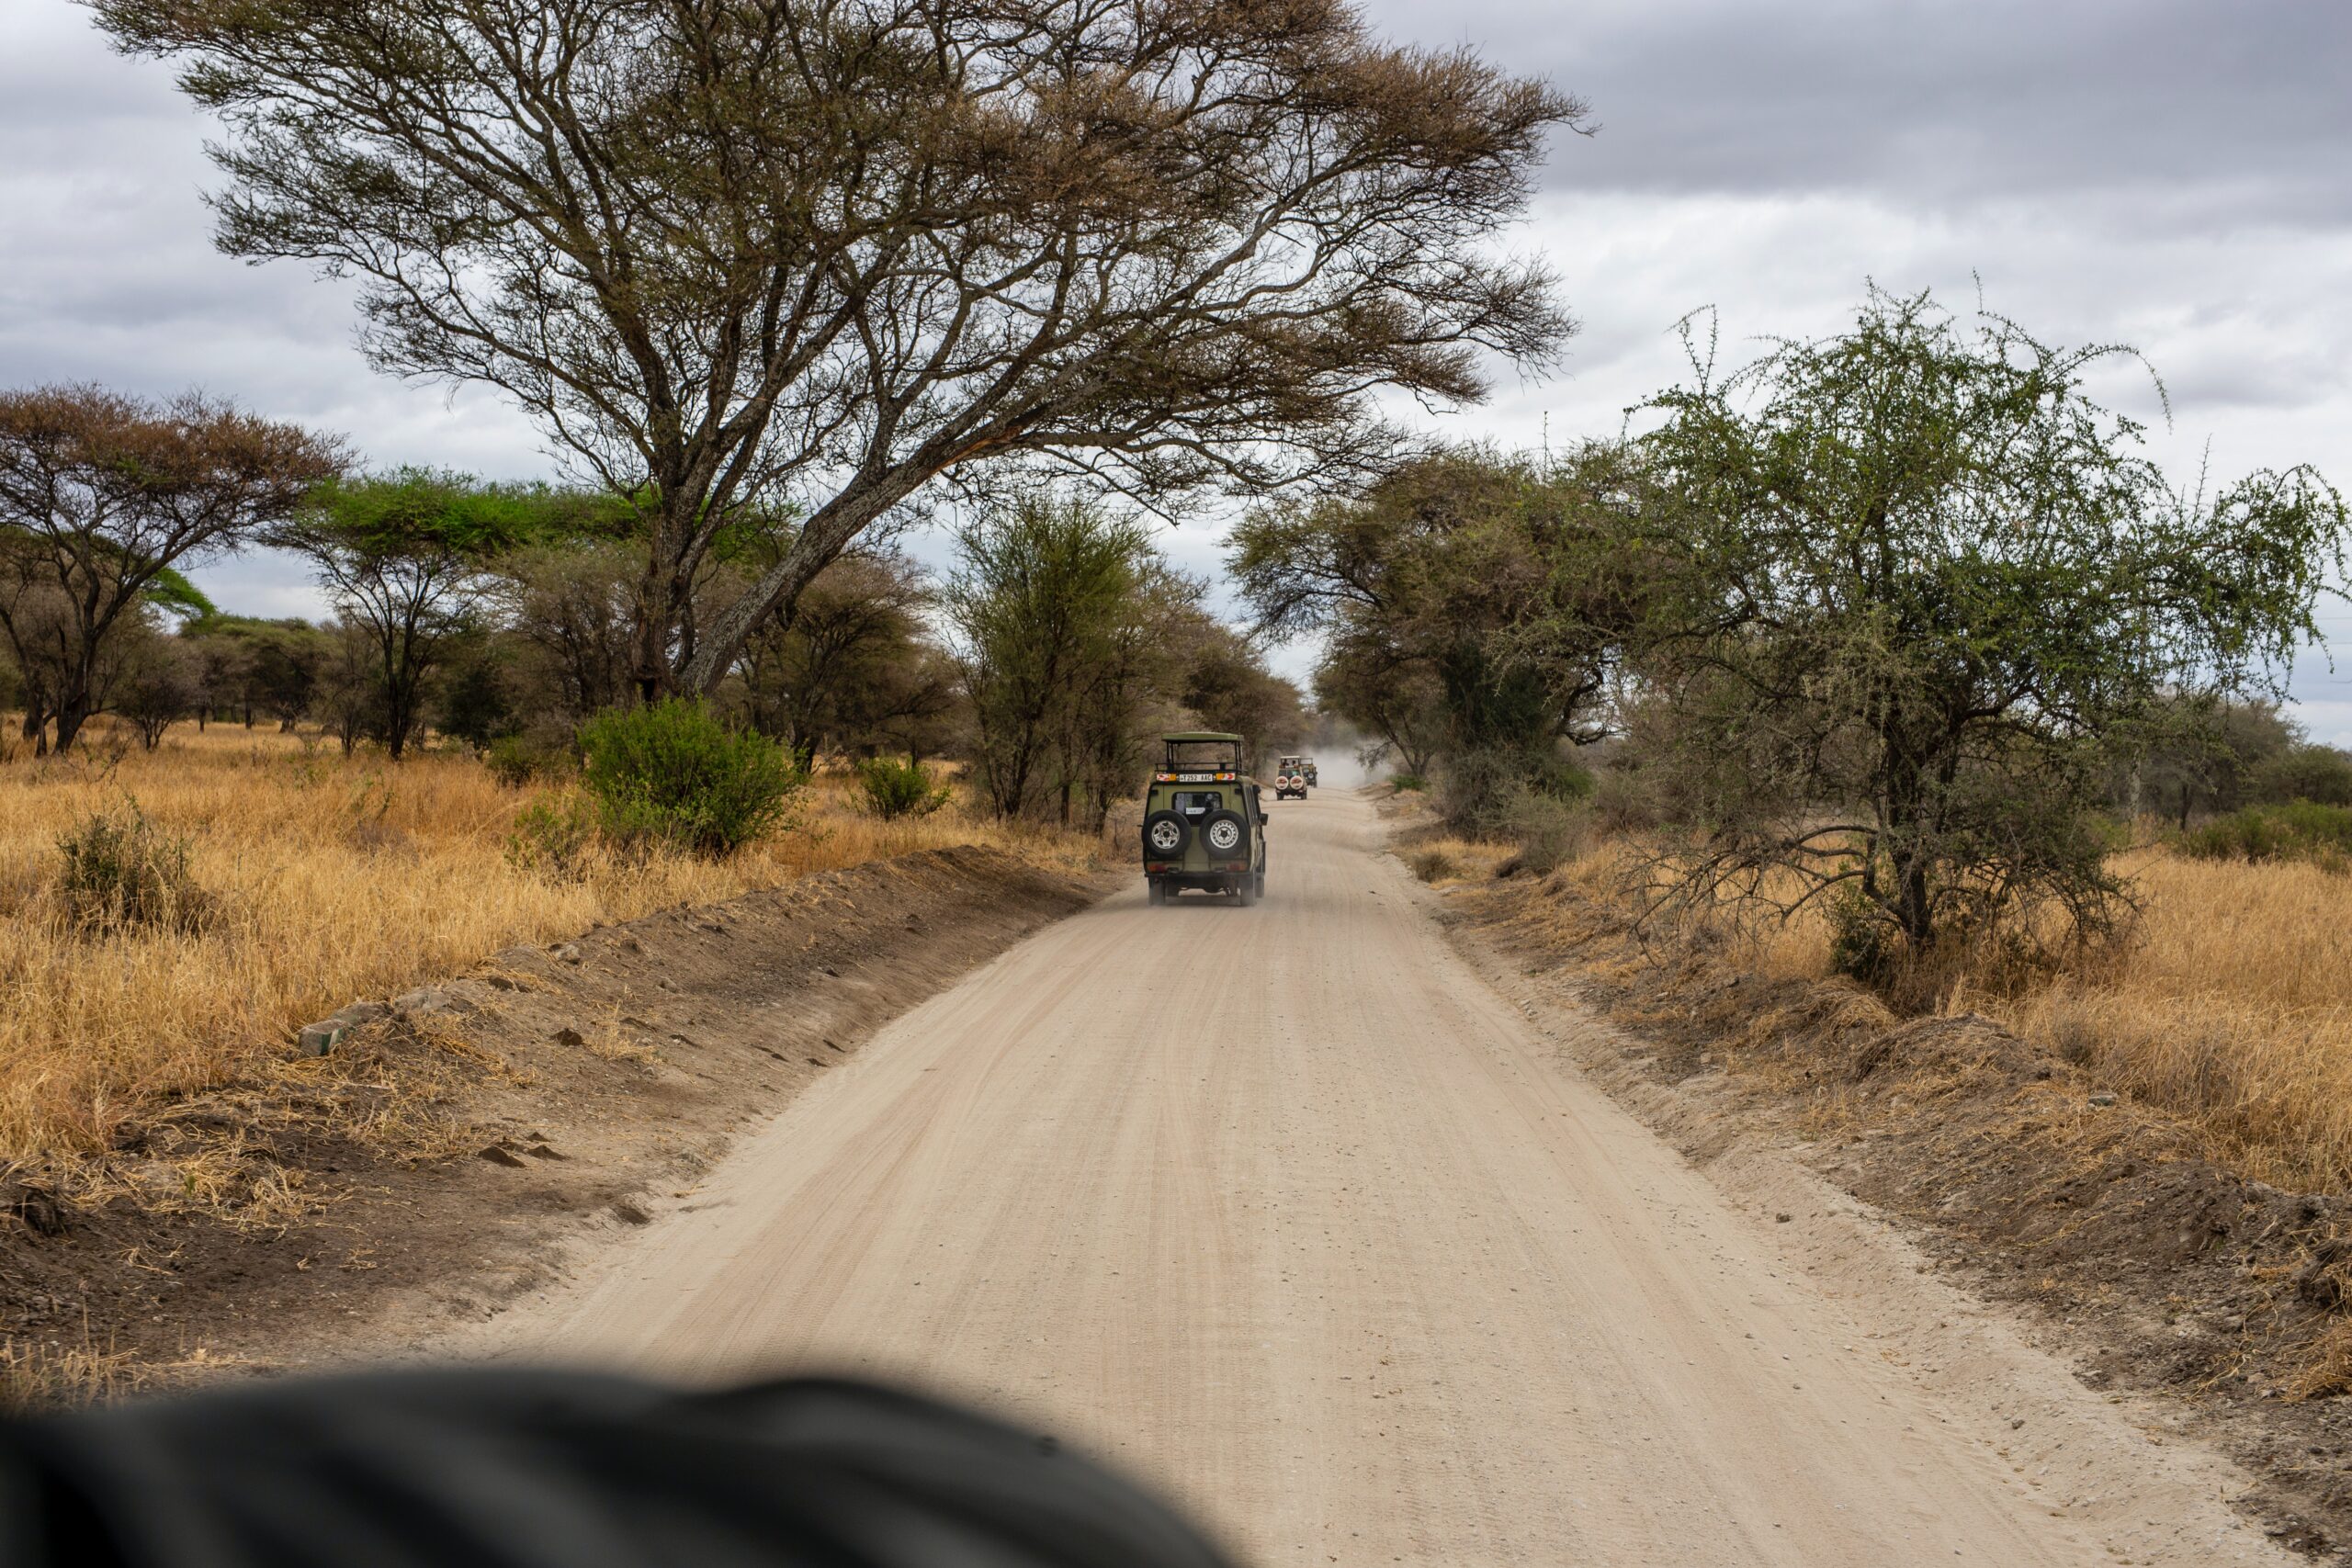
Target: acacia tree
1043 590
854 665
220 669
1136 656
104 496
401 556
569 605
350 695
1930 584
770 254
158 686
1476 605
1363 681
1220 677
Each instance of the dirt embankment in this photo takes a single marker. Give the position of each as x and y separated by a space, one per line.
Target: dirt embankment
2154 1269
430 1163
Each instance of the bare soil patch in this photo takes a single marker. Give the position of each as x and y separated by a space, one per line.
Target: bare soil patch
2153 1267
426 1167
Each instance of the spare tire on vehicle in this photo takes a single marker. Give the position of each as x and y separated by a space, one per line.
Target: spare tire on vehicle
1165 836
1225 834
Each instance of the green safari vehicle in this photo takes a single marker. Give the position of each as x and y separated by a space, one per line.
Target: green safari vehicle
1202 824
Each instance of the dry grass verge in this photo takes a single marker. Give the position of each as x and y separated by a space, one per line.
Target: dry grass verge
321 879
427 1165
2228 1003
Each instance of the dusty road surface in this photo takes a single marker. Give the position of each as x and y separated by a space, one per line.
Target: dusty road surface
1284 1209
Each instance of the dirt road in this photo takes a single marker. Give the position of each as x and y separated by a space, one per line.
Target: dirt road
1287 1210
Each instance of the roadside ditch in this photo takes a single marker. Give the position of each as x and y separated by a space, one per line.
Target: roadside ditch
432 1158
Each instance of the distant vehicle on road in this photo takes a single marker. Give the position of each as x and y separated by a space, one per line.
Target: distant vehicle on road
1203 825
1290 778
1308 764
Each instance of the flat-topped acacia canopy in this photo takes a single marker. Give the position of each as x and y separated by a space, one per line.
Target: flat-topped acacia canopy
772 267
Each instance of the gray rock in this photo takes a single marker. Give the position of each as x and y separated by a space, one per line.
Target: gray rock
425 998
318 1039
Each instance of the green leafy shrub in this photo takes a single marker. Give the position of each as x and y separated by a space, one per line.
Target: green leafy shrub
1863 945
123 871
1407 784
553 838
2300 830
515 761
1548 830
895 789
1482 789
672 773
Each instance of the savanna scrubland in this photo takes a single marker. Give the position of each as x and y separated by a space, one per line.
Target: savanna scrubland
1889 657
1884 673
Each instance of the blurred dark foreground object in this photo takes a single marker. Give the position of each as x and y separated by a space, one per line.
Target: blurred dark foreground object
525 1470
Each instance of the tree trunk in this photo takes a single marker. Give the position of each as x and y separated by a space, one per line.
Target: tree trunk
1913 910
71 714
778 590
660 614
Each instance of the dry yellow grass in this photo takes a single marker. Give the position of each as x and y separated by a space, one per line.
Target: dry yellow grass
330 879
1445 858
2232 1004
36 1375
2228 1002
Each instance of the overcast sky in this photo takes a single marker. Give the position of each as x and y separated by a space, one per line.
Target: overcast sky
2166 173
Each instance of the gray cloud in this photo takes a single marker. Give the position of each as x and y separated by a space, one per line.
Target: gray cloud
2168 174
2231 111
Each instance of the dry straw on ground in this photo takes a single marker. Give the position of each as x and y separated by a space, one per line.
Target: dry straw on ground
2228 1001
325 880
2232 1004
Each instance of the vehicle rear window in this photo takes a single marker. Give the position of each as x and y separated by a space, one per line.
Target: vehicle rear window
1198 802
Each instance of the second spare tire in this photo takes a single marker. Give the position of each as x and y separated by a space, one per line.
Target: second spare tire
1225 834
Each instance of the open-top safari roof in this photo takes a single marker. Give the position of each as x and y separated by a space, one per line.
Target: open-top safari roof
1215 751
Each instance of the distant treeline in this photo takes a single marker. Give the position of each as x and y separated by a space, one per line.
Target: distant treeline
481 613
